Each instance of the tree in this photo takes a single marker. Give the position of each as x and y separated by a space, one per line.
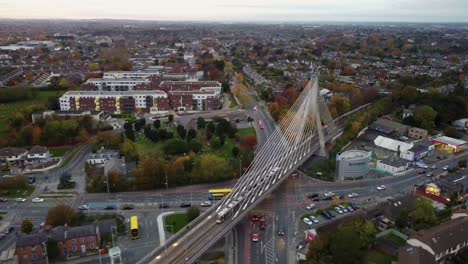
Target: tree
339 105
423 214
210 128
61 215
201 123
53 251
26 226
235 151
117 182
157 123
192 133
195 146
170 118
425 116
402 219
175 146
452 132
210 168
216 143
192 213
129 150
151 173
318 249
249 142
65 181
181 131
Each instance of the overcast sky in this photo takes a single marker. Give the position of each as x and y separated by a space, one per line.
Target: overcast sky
242 10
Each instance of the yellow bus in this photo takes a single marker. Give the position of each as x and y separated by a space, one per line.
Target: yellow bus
216 194
134 227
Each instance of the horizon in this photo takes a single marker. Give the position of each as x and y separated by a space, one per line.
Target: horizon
274 11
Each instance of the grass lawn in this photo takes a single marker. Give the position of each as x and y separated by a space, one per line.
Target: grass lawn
59 152
3 213
233 102
146 147
376 257
247 132
18 193
6 110
176 222
396 239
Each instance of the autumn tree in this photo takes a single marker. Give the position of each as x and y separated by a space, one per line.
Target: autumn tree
129 150
61 215
211 168
425 116
151 174
339 105
249 142
26 226
117 182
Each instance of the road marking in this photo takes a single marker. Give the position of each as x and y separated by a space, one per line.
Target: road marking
161 227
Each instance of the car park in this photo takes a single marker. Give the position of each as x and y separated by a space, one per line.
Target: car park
164 205
381 188
205 204
314 219
184 205
22 200
310 206
83 207
307 221
338 210
353 195
254 237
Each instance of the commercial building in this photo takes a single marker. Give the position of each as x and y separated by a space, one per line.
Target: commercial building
392 165
408 151
450 144
389 127
352 164
115 102
437 244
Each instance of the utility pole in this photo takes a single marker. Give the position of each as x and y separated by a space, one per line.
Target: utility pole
107 180
167 183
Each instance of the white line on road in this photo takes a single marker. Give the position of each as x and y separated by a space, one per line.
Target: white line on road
161 227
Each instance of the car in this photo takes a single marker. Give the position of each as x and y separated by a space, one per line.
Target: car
262 218
329 212
2 236
429 174
280 231
350 208
445 168
422 171
20 200
316 199
310 206
83 207
254 237
31 180
127 207
254 218
433 167
329 194
327 198
10 229
262 225
353 195
184 205
343 208
355 207
338 210
37 200
325 214
381 188
3 200
164 205
314 219
312 195
205 204
307 221
110 207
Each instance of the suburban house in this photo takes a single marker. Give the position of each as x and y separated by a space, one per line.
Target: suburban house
38 154
31 248
13 156
102 155
437 244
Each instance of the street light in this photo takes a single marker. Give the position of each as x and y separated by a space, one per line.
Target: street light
112 234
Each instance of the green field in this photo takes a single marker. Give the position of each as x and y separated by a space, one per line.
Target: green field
59 152
6 110
376 257
247 132
175 222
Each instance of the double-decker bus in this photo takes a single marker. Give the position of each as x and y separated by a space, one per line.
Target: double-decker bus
134 227
216 194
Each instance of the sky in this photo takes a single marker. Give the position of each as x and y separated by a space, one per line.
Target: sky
242 10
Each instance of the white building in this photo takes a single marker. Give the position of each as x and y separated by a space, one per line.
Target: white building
143 75
392 165
115 84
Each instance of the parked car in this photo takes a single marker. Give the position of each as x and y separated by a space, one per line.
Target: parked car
2 236
205 204
350 208
445 168
355 207
312 195
127 207
433 167
429 174
314 219
338 210
254 237
310 206
164 205
343 208
3 200
184 205
381 188
316 199
325 214
110 207
353 195
329 194
307 221
21 200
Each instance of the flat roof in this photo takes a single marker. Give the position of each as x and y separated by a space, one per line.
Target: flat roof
123 93
353 154
450 141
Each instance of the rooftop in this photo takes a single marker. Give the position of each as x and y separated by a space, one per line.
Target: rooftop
353 154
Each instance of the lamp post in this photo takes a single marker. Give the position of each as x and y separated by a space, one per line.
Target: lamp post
112 234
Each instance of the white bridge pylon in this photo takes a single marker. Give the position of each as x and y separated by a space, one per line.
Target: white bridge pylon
293 140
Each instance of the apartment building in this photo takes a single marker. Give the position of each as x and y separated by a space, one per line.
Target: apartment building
116 84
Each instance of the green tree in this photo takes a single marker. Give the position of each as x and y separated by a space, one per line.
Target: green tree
339 105
129 150
425 116
452 132
157 123
61 215
402 219
235 151
53 251
175 146
26 226
191 134
201 123
216 143
192 213
424 214
211 168
195 146
318 249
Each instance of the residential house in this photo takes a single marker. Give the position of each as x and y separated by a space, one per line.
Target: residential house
392 165
102 155
76 241
417 133
438 244
115 165
38 154
13 156
31 248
